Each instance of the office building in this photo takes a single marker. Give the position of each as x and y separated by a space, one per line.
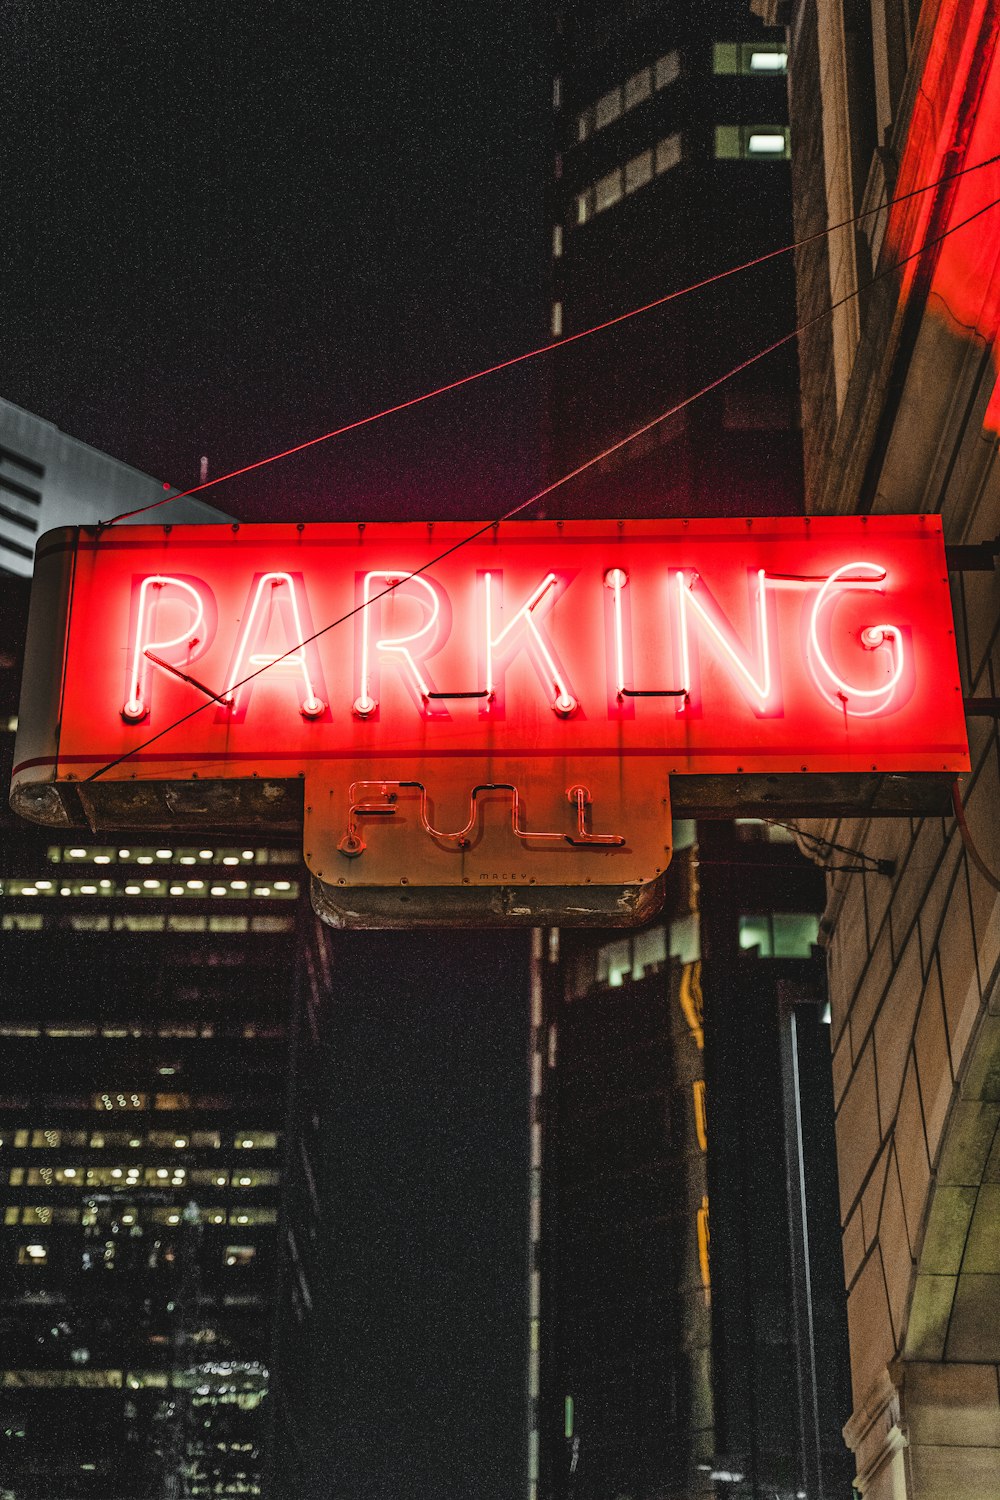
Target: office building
144 1001
687 1331
686 1319
668 123
49 479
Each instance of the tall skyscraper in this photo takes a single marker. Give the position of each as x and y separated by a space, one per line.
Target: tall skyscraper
49 479
670 165
145 988
686 1315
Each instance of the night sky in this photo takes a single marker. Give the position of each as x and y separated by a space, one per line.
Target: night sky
227 228
224 229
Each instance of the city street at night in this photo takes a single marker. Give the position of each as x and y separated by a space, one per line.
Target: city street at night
499 659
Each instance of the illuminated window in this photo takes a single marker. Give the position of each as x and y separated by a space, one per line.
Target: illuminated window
779 934
667 69
255 1216
228 924
256 1140
43 1214
668 153
22 922
752 142
685 938
638 171
32 1255
632 957
187 924
764 59
557 320
638 87
239 1255
619 101
607 108
272 924
51 1379
608 190
255 1179
557 241
115 1101
754 830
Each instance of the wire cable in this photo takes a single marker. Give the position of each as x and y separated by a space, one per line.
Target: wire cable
555 485
560 343
967 839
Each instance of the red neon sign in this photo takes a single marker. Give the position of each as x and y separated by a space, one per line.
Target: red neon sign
550 677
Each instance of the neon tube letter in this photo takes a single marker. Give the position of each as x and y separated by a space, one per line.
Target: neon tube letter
366 703
564 702
151 594
274 593
872 638
754 672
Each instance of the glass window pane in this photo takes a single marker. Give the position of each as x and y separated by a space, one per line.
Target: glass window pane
614 962
638 88
795 933
727 142
650 951
638 171
607 108
667 69
608 190
755 936
767 141
668 153
725 57
764 57
685 939
685 833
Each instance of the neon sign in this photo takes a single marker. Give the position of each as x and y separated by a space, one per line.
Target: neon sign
513 709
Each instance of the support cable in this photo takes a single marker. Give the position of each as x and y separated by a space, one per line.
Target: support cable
556 484
867 864
560 343
967 839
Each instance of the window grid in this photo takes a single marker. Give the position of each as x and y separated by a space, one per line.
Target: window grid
623 181
636 90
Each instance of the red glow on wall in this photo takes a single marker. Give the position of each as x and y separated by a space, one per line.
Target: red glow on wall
955 124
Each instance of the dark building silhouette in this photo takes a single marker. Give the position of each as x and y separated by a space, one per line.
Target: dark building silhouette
145 988
687 1327
620 1290
671 165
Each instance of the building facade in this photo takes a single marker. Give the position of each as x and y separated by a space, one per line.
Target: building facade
667 121
49 479
687 1331
898 105
686 1319
145 992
